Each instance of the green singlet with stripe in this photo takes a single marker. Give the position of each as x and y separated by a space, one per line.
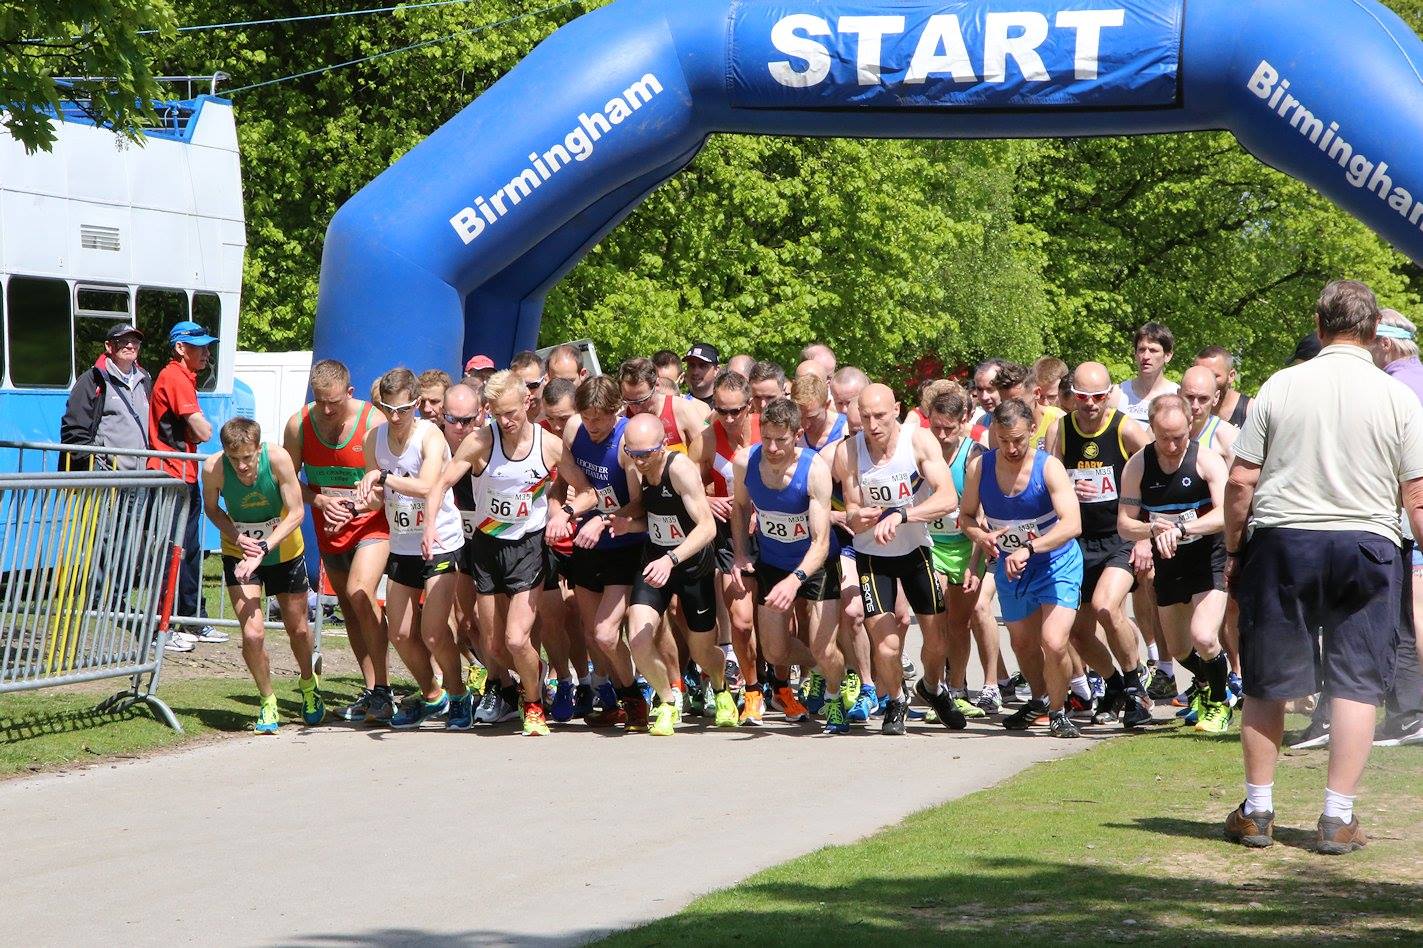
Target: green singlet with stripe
256 510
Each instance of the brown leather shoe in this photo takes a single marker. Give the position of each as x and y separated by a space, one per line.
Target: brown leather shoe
1334 837
1256 830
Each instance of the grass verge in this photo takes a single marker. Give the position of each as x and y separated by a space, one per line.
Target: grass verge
46 729
1121 843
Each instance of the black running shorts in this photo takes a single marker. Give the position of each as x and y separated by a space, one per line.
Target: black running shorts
819 586
881 575
413 570
697 594
1098 554
599 568
278 579
506 567
1196 568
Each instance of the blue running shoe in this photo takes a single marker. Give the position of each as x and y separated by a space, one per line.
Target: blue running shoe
835 720
864 705
648 694
562 709
813 693
607 696
417 712
1096 684
881 704
582 701
1234 690
461 716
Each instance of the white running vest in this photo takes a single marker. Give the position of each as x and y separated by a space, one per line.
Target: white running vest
895 482
512 496
406 514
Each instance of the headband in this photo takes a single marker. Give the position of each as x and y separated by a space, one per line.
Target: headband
1395 332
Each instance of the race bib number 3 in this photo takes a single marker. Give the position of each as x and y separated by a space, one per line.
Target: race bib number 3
257 531
785 527
665 530
407 515
1094 485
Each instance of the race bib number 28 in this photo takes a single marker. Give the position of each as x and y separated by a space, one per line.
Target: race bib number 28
786 527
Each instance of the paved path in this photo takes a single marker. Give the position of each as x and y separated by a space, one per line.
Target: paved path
349 837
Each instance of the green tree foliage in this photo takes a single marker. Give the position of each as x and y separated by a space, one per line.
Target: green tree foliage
78 38
887 250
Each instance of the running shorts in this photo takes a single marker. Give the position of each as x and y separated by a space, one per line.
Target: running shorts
279 579
880 577
413 570
819 586
1048 580
505 567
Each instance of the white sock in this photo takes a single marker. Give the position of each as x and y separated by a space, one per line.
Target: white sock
1260 798
989 689
1152 652
1167 667
1338 805
727 651
1080 688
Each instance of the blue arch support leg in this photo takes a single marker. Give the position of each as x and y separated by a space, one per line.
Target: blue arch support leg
452 249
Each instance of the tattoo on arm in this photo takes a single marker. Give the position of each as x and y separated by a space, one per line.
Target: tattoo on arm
1130 501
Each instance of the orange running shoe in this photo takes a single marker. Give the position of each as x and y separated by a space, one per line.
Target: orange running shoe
535 724
790 705
753 709
637 712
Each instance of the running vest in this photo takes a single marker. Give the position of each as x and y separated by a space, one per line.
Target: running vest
407 514
335 470
256 511
599 463
1027 515
563 546
721 465
513 494
1206 438
1100 459
669 523
669 425
895 482
1178 497
1051 413
1237 416
837 431
782 515
1138 407
946 529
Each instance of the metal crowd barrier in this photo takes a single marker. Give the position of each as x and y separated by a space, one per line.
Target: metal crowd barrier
44 456
87 580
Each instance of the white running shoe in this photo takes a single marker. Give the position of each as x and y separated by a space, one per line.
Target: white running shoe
179 642
208 635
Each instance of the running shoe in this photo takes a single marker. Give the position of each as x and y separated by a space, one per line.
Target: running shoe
1060 725
696 699
1161 686
179 642
734 681
418 711
1312 737
489 709
1256 830
207 635
535 724
357 710
835 721
381 708
582 701
1096 684
865 704
562 708
648 695
785 701
313 709
267 716
989 700
1018 689
664 723
476 678
508 706
894 715
1026 716
1078 707
966 707
637 713
754 710
726 715
850 687
1235 689
607 696
1214 718
1136 708
461 716
1191 714
1395 733
943 704
607 717
1188 697
907 664
812 692
1334 837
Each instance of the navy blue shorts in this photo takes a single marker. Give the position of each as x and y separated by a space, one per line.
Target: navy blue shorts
1351 585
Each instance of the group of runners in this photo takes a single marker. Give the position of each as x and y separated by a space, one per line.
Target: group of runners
617 550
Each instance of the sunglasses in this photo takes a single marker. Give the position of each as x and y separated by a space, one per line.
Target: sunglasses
728 412
642 454
531 386
630 402
396 409
460 419
129 343
1091 396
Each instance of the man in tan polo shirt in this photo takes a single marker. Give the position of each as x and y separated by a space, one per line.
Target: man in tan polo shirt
1313 542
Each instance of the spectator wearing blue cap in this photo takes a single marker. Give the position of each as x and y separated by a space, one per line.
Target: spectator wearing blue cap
176 423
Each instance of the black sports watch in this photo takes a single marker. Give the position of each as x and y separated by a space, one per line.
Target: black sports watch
1029 547
262 544
568 509
799 574
381 480
672 555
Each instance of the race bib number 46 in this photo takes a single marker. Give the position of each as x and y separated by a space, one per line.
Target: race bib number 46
1094 485
407 515
665 530
785 527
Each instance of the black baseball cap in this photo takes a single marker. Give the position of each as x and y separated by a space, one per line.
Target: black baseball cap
704 351
123 329
1307 349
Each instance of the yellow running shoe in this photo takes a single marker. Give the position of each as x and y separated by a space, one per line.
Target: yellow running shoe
476 678
267 716
665 722
1214 719
535 725
725 709
754 709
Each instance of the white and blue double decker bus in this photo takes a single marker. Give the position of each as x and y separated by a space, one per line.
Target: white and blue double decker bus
100 231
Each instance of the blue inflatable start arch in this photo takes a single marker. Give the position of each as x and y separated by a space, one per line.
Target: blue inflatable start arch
453 248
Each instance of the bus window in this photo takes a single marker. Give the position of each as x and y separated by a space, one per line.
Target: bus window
106 300
158 311
89 335
41 346
207 313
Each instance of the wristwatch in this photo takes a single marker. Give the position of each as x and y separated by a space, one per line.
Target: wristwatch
568 509
799 574
381 480
672 555
262 545
1029 547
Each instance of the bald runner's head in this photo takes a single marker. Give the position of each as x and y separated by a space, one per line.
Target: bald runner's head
1199 391
1092 392
879 413
813 367
644 431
